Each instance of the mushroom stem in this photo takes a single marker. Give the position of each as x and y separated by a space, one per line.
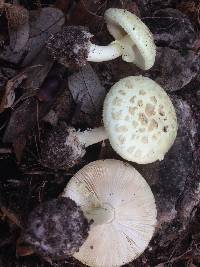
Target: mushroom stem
92 136
122 47
103 53
101 215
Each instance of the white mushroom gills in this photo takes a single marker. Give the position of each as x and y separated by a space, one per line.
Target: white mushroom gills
133 40
133 36
121 203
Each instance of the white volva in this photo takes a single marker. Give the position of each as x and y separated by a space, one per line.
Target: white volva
121 203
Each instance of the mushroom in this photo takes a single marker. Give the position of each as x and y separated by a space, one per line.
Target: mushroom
120 202
56 229
139 120
133 41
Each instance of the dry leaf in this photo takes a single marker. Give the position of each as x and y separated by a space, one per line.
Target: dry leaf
88 93
63 5
48 21
9 96
192 9
23 249
38 74
81 15
28 73
173 69
16 15
11 216
30 111
18 145
24 118
171 28
19 37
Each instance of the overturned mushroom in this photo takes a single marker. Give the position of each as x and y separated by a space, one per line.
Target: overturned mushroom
120 202
56 229
139 120
133 41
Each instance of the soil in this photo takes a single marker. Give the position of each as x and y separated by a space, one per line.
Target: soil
38 94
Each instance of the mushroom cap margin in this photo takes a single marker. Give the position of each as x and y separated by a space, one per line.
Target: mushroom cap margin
121 22
140 119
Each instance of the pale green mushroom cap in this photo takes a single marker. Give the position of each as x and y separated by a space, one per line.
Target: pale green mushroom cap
140 119
139 48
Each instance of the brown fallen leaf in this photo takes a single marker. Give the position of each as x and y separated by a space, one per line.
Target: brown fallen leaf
81 15
47 22
23 249
11 216
18 145
63 5
192 9
19 37
38 74
42 24
132 7
9 96
16 15
30 111
88 94
171 28
174 69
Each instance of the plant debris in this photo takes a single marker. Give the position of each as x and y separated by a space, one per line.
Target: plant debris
88 94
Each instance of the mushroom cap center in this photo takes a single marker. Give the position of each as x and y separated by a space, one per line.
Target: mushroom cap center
101 215
140 119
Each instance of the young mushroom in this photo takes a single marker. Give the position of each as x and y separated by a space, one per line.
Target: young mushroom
133 41
56 229
120 202
139 121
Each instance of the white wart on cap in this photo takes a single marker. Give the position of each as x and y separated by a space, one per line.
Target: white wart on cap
133 36
121 203
140 119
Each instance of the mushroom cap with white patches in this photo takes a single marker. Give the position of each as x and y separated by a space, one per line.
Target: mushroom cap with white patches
140 119
121 22
116 184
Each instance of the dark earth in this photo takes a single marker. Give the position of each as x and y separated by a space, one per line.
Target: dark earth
38 94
